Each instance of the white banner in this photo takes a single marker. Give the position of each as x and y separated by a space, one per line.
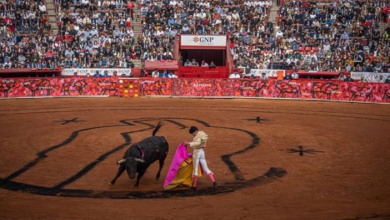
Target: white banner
268 73
203 40
84 72
369 76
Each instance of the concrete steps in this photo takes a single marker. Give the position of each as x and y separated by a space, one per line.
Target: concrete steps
50 7
273 15
136 24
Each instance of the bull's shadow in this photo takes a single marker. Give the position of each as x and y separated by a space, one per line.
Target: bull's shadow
58 190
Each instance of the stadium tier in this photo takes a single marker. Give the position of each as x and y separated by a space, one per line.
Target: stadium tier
303 36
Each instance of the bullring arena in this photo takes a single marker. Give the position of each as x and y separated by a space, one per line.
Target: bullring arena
293 94
272 159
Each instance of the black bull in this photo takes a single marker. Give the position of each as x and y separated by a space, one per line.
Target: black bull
141 155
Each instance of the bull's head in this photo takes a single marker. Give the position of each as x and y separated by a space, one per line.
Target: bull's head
131 164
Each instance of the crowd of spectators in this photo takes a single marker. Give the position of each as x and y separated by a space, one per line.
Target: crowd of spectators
163 20
92 34
341 36
23 16
20 18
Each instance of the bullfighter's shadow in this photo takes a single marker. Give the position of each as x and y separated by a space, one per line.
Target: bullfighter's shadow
60 190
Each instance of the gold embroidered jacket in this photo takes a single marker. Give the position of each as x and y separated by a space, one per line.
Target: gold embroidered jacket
199 140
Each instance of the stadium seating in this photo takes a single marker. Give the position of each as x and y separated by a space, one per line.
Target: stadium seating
100 33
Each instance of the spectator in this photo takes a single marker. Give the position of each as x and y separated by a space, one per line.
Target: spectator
294 75
163 74
287 77
171 75
204 64
348 79
387 79
263 77
212 65
155 73
341 77
362 79
234 75
188 63
194 63
381 79
97 74
143 73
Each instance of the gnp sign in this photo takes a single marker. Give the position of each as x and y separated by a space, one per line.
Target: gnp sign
203 40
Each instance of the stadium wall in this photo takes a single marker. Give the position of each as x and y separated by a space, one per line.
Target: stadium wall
195 88
58 87
251 88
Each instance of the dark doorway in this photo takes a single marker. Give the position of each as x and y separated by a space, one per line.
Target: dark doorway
218 56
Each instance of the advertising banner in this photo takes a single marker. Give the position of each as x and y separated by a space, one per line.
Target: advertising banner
95 71
203 40
369 76
203 87
156 87
41 87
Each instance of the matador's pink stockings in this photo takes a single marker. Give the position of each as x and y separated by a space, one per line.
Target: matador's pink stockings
211 177
194 180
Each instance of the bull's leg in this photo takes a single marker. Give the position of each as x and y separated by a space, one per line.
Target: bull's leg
139 176
161 166
120 171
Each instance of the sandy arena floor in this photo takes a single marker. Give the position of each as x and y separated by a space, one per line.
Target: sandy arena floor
58 156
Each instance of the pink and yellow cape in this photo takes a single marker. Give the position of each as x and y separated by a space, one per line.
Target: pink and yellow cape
180 171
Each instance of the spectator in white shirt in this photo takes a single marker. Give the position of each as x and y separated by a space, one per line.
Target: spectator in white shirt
42 7
171 75
188 63
326 47
279 34
263 76
235 15
204 64
294 75
155 73
234 75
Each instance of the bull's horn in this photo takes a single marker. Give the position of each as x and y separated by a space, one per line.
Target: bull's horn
139 160
121 161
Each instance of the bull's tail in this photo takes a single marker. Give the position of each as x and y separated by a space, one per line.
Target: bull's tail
157 128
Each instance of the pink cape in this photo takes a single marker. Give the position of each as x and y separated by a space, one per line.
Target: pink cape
180 156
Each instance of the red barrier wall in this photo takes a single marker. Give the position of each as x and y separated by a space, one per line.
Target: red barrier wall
182 87
155 86
57 87
203 87
300 89
203 72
